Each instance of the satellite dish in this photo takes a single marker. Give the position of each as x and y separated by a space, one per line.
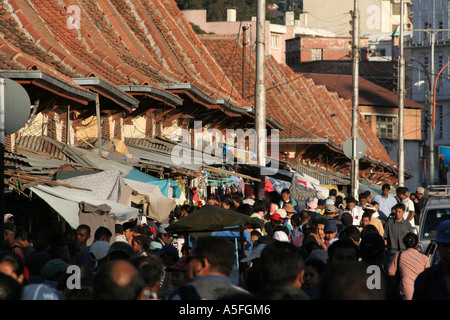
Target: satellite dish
360 148
17 106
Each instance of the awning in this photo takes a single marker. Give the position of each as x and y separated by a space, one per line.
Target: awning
37 82
113 94
66 202
163 184
156 205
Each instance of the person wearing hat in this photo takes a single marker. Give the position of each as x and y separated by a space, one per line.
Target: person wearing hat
331 230
275 220
98 252
120 250
434 282
418 206
163 236
332 213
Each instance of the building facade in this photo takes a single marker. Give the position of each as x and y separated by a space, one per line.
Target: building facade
375 15
431 20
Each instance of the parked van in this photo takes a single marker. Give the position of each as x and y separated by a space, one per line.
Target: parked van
436 210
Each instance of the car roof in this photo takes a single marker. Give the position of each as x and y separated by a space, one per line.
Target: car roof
438 203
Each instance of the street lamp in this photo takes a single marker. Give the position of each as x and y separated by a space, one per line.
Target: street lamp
430 102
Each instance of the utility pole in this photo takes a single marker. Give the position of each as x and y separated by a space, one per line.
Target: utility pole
401 102
432 39
260 90
244 55
99 125
355 98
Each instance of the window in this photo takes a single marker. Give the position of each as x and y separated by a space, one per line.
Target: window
316 54
440 122
274 41
378 52
387 127
440 65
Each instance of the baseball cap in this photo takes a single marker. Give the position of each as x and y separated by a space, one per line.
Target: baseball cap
282 213
289 208
443 232
330 226
330 208
155 245
420 190
281 236
99 250
169 249
121 247
276 217
53 267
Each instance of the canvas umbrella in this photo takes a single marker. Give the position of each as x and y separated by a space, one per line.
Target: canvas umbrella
211 218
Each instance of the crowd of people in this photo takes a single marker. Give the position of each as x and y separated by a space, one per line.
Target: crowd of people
320 252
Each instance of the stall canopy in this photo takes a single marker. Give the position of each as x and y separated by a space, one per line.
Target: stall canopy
163 184
211 218
69 202
144 193
154 204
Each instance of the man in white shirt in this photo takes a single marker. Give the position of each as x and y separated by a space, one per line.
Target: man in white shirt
355 211
402 194
385 202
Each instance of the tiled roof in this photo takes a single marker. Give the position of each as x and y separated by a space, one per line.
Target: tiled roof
370 94
124 42
309 112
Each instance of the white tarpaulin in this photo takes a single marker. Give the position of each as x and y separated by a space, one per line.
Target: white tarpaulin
159 206
66 202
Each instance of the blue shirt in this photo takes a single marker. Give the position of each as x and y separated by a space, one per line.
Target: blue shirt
385 205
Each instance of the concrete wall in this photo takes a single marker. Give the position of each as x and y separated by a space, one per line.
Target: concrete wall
375 15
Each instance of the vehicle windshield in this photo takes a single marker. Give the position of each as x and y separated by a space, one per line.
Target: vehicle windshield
432 219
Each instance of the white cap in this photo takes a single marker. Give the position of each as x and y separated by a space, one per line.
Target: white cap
281 236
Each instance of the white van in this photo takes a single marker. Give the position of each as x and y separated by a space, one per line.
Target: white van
436 210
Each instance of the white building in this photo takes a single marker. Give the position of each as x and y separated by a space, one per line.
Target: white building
433 16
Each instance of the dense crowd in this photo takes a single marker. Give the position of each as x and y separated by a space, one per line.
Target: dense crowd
335 248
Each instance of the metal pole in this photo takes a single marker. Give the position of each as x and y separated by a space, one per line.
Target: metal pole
2 159
244 54
99 125
401 98
260 90
432 163
355 100
68 125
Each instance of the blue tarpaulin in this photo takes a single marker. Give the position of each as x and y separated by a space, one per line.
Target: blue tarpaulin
163 184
